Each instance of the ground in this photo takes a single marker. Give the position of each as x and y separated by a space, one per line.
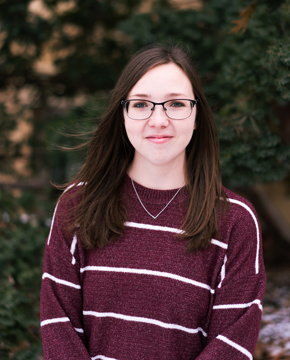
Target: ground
274 338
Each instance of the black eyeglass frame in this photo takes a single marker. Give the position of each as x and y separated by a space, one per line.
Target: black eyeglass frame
125 102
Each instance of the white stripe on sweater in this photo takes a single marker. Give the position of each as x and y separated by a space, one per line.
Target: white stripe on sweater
79 330
60 281
239 306
69 187
257 229
236 346
153 227
145 320
52 221
223 271
168 229
55 320
219 243
148 272
59 320
102 357
73 247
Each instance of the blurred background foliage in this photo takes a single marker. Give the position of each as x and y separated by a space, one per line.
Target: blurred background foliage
59 59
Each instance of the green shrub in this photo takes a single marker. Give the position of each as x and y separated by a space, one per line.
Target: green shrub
22 240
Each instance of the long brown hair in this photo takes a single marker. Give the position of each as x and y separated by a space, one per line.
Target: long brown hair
100 213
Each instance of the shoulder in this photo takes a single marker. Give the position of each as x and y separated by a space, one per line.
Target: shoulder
240 226
240 221
239 206
72 189
70 197
64 212
67 203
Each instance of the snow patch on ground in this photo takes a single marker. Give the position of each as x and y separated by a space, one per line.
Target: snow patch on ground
275 330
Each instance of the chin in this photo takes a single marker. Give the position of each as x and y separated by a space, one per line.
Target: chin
163 162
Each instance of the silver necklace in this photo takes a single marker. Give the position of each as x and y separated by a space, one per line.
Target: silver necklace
154 217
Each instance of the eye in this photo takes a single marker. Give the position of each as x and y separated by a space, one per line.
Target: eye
176 104
140 104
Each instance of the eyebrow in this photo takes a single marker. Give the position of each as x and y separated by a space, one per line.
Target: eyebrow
140 95
148 96
176 94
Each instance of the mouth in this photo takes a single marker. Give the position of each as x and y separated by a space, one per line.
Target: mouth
159 139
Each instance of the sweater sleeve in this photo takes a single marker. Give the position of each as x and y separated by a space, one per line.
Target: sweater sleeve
237 309
61 294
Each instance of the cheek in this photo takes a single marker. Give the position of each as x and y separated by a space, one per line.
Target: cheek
188 138
128 127
133 130
188 129
188 132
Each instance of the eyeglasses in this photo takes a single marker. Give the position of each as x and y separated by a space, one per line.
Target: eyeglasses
176 109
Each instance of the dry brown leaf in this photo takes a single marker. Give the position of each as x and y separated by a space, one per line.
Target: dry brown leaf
23 345
154 17
245 16
260 350
10 279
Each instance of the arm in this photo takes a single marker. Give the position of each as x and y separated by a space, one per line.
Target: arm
237 309
61 294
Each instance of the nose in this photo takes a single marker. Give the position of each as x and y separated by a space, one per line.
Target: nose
158 117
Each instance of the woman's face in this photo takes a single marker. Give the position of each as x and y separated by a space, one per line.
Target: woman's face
160 140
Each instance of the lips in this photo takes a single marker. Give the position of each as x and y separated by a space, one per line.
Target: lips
159 139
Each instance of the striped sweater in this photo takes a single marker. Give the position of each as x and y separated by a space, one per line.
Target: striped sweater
144 297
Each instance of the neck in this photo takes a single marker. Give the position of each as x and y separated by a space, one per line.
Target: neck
159 177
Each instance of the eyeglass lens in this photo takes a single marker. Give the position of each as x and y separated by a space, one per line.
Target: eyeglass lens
175 109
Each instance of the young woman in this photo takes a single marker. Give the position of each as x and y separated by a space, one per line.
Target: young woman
148 257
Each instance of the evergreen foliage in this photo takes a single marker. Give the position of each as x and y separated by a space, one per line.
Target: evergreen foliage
22 239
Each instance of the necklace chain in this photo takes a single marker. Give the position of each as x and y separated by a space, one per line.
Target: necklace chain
154 217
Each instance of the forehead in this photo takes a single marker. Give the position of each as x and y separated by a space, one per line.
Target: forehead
162 80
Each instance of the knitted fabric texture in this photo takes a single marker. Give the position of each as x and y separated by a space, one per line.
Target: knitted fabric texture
143 296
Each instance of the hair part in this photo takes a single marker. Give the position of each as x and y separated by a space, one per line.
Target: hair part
100 213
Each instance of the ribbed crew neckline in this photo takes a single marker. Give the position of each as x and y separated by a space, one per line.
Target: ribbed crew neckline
153 196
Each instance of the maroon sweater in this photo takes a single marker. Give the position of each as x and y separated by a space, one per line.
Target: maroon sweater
144 297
